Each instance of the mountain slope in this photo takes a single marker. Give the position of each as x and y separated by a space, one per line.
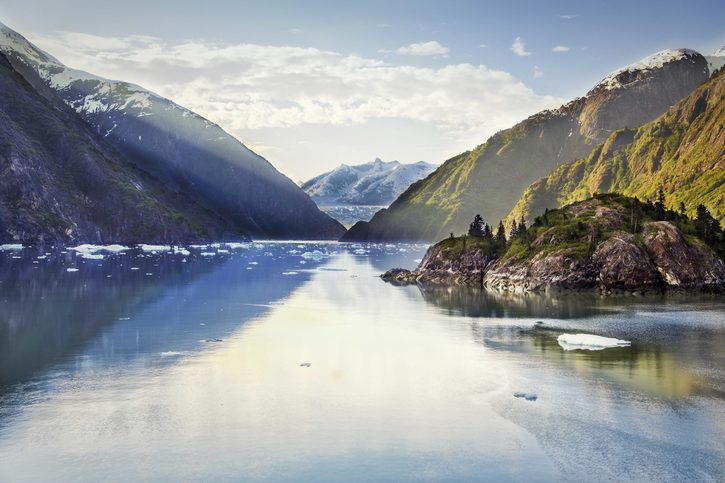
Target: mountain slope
60 182
374 183
682 152
189 153
490 179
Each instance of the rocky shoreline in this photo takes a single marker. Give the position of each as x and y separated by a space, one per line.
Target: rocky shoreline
656 259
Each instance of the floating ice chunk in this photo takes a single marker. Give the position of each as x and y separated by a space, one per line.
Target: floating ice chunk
290 273
88 248
253 263
199 247
314 255
570 342
235 245
135 268
207 254
172 353
71 269
11 246
93 256
182 251
221 250
360 251
155 248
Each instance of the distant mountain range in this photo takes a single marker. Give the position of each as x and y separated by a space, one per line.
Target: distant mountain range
374 183
194 159
491 178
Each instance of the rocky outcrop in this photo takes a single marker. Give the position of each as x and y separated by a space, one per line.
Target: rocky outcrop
680 263
657 258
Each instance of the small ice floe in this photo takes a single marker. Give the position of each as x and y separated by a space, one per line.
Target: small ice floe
314 255
360 251
155 248
571 342
11 247
88 248
182 251
207 254
42 257
529 396
199 247
93 256
148 274
290 273
305 364
135 268
172 353
222 250
253 263
71 269
236 245
213 340
124 318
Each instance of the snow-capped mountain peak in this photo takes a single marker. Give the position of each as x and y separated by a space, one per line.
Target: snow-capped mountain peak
620 77
375 183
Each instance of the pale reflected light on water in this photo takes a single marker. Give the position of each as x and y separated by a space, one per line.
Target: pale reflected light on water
199 372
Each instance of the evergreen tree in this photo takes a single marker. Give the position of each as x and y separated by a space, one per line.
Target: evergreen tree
514 233
521 228
660 210
476 229
500 234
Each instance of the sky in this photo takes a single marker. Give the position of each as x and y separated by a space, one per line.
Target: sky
310 85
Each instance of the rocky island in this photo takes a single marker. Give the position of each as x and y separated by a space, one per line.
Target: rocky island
607 243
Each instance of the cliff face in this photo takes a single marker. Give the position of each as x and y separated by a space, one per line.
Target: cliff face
682 152
491 178
586 246
61 182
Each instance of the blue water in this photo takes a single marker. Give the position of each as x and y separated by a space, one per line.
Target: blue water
195 367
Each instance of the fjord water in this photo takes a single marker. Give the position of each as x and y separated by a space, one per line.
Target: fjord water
168 366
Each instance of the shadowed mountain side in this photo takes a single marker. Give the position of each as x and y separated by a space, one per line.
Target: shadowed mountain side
61 182
193 156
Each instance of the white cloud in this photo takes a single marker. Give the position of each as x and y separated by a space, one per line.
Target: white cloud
383 25
245 87
420 49
568 17
560 48
519 48
537 72
483 46
295 31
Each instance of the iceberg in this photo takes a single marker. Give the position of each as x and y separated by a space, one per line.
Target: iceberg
155 248
11 246
88 248
571 342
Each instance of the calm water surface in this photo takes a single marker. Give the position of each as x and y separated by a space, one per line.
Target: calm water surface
188 367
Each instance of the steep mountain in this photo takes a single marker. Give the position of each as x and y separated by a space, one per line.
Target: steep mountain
60 182
682 152
374 183
190 154
490 179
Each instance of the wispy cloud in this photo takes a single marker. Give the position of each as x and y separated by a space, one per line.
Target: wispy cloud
295 31
251 86
568 17
560 48
538 73
383 25
519 48
421 49
483 46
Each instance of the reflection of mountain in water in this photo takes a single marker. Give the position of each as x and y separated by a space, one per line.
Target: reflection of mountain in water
48 314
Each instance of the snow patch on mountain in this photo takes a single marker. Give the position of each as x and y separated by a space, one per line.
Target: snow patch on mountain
716 60
618 78
374 183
